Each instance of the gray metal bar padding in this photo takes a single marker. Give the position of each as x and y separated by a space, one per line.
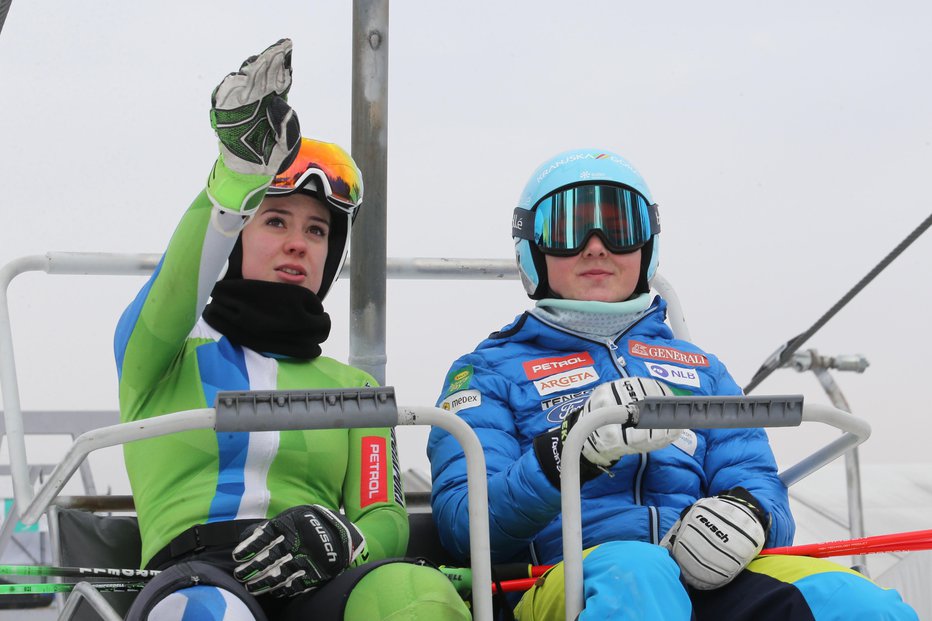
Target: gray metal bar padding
279 410
856 431
718 412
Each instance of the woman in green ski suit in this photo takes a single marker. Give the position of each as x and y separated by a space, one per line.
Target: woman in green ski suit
249 525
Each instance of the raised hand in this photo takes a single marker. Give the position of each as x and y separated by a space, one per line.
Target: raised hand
259 133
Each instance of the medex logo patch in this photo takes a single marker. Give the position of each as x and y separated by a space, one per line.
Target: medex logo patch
656 352
542 367
566 380
462 400
373 473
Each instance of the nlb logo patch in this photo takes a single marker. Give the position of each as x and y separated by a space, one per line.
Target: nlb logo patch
542 367
566 380
462 400
677 375
656 352
373 474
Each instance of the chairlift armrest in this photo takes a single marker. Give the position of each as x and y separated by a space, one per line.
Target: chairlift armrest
276 410
719 412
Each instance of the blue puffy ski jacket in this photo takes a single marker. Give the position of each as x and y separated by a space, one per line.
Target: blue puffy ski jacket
524 379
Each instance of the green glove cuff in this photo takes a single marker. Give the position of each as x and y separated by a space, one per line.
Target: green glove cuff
233 191
363 557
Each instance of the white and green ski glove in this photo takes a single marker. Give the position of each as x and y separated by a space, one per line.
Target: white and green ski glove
258 131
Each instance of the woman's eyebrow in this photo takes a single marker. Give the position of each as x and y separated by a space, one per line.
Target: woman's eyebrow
279 210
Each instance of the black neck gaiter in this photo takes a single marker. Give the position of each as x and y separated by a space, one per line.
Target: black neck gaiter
269 317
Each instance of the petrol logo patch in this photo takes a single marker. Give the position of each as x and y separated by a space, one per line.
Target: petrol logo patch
462 400
677 375
542 367
656 352
687 442
458 379
373 483
566 380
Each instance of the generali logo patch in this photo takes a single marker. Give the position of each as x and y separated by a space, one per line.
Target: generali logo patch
542 367
656 352
373 484
566 380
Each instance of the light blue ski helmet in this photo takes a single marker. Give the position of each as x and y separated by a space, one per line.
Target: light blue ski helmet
567 170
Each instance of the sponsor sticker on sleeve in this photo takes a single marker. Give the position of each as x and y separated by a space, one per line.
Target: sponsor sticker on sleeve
458 379
373 475
461 400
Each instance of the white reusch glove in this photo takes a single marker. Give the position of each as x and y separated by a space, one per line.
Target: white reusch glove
716 538
606 445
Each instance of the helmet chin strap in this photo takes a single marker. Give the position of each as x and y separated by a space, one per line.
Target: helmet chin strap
647 255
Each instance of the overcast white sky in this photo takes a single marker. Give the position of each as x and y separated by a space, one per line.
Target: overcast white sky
789 146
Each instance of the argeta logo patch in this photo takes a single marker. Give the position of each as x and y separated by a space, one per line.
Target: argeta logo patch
566 380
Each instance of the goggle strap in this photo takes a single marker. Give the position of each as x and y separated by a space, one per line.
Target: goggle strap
522 224
654 214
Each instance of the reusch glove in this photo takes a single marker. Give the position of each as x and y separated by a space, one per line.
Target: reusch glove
258 131
606 445
548 448
716 538
298 551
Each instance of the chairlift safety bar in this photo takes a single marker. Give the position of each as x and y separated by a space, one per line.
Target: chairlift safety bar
691 413
719 412
280 410
321 409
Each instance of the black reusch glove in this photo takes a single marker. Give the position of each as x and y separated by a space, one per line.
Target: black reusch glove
298 551
548 448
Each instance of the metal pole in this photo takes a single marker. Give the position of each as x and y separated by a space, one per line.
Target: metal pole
370 150
852 468
819 365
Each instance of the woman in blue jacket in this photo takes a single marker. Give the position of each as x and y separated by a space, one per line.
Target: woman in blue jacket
673 520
